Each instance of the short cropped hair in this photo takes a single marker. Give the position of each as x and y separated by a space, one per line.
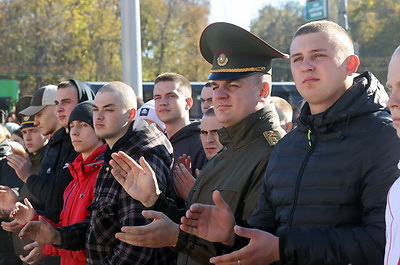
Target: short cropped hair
337 34
209 112
123 92
208 84
260 78
66 83
184 86
284 109
396 52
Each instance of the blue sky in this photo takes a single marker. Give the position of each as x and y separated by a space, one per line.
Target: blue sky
239 12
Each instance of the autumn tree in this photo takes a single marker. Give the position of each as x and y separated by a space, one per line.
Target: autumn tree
276 26
375 27
48 41
170 36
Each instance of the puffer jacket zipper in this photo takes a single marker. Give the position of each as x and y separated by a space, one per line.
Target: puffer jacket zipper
313 144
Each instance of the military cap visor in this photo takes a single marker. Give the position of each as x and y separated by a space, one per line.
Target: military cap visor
29 123
24 121
235 52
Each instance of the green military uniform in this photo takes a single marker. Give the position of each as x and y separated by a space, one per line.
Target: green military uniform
236 172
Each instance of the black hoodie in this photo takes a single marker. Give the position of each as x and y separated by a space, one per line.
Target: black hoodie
49 185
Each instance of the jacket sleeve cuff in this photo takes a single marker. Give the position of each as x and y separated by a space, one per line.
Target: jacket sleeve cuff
159 205
282 243
183 239
168 207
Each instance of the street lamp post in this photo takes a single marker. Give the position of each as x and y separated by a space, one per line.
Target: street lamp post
131 45
343 14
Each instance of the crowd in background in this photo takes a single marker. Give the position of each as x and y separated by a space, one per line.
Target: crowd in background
106 178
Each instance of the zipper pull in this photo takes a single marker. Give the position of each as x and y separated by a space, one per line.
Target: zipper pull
309 137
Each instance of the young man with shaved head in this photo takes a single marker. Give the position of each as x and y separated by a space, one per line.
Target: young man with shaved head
206 97
324 192
241 80
114 109
173 100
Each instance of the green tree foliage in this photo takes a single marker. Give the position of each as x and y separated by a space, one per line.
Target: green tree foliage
170 34
374 26
276 26
48 41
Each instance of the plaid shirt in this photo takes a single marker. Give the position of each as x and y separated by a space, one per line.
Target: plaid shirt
113 207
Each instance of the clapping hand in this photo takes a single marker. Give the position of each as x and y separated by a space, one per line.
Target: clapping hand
139 181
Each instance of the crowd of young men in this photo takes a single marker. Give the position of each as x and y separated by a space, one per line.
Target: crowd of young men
314 196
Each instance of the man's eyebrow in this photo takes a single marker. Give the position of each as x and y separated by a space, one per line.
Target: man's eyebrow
319 50
314 50
105 106
296 54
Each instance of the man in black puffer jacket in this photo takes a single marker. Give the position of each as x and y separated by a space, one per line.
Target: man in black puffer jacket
324 192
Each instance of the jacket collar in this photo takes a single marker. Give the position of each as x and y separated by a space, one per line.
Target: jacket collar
248 129
366 95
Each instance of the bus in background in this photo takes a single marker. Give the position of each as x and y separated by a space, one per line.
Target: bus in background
285 90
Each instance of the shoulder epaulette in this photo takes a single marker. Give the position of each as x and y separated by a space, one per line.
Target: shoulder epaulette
272 137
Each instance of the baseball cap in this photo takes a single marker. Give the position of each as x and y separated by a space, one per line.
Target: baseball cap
42 97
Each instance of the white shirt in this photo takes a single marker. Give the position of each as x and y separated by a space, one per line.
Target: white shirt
392 217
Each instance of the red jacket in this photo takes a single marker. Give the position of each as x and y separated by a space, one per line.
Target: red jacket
78 195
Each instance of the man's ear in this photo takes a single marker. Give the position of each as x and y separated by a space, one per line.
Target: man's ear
132 114
189 103
289 126
265 90
353 62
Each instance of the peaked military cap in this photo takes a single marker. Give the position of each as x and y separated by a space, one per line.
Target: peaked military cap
24 120
235 52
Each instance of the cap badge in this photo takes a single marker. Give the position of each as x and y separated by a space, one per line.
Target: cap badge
222 60
26 118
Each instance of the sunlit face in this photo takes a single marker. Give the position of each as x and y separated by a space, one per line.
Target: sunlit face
66 100
46 120
235 99
111 119
170 104
209 136
33 139
206 98
83 138
393 83
318 70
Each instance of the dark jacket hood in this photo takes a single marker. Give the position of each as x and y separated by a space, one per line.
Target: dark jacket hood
84 91
366 95
186 131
